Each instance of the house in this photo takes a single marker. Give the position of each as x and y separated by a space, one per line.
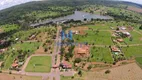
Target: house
75 32
127 34
120 40
122 28
114 49
2 50
65 65
82 51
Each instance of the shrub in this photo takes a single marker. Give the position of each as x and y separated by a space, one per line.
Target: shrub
77 60
107 71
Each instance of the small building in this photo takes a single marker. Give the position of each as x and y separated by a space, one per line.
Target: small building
127 34
65 65
120 40
3 50
122 28
114 49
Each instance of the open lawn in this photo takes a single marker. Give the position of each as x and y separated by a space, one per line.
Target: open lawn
18 77
139 61
100 38
132 51
136 38
99 26
101 55
39 64
27 46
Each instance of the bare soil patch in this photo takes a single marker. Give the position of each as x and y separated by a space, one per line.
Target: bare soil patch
141 39
127 72
17 77
81 29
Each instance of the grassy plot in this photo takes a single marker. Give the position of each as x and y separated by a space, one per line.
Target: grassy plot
99 26
39 64
132 51
28 47
7 28
136 38
100 38
101 55
139 60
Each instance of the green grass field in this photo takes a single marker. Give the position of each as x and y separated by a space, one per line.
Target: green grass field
39 64
99 26
132 51
139 60
136 38
102 38
101 55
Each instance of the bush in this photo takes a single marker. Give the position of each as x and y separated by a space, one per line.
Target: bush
89 67
10 72
107 71
77 60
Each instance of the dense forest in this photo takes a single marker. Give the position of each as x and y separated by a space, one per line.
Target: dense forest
41 10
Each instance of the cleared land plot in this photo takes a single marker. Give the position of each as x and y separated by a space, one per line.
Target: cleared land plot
139 61
136 38
18 77
127 72
101 55
100 38
39 64
132 51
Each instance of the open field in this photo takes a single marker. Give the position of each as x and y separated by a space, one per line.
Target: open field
132 51
136 38
99 26
101 55
139 61
39 64
17 77
100 38
126 72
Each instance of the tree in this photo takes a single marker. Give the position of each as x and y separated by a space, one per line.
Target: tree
140 27
89 67
107 71
77 60
85 19
80 72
